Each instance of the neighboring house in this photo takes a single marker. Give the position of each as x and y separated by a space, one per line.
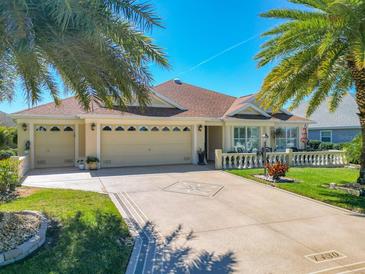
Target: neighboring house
5 120
341 126
180 120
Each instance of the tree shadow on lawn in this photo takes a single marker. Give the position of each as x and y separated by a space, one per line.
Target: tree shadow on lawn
173 254
80 246
342 199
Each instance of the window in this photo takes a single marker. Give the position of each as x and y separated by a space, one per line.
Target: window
143 129
55 129
107 128
286 137
131 129
186 129
247 138
326 136
68 129
119 128
41 128
155 129
176 129
165 129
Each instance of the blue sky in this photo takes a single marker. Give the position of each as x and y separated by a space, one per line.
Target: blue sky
196 30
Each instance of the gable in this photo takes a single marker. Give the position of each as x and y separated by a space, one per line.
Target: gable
249 110
159 101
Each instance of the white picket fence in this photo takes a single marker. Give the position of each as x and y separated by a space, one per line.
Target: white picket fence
297 159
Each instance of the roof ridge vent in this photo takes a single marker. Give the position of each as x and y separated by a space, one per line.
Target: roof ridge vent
178 81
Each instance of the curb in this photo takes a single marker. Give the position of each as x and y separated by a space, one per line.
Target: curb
145 244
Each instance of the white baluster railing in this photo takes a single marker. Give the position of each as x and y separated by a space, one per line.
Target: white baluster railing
298 159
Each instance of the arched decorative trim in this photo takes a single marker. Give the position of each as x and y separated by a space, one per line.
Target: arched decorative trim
107 128
155 129
176 129
68 129
119 128
41 128
186 129
166 129
54 129
143 129
132 129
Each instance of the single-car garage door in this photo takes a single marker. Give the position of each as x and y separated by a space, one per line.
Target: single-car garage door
54 146
145 145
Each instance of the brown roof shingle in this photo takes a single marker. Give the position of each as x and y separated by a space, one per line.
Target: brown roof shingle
196 101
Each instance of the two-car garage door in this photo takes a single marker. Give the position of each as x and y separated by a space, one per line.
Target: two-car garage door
145 145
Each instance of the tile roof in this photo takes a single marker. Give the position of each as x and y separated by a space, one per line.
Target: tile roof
196 101
344 116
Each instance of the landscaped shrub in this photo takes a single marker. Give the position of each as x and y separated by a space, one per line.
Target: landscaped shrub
9 177
7 153
8 137
353 150
325 146
277 170
338 146
314 144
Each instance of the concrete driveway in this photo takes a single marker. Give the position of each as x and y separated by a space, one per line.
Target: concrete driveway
195 220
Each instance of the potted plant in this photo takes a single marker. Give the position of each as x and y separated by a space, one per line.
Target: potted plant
92 162
81 164
201 157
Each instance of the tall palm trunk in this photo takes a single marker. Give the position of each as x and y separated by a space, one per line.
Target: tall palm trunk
359 78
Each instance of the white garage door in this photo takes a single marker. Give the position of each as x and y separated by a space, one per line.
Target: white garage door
142 145
54 146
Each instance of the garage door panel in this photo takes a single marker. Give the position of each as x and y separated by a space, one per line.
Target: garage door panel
145 148
54 149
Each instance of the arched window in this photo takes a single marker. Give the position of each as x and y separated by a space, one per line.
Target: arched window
41 128
143 129
186 129
119 128
107 128
68 129
55 129
155 129
176 129
165 129
131 129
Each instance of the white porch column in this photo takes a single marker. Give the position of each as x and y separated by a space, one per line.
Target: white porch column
31 140
98 141
228 138
194 150
77 144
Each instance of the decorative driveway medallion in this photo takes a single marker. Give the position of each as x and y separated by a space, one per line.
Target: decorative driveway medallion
325 256
194 188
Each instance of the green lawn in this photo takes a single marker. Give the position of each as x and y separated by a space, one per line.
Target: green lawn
313 183
83 237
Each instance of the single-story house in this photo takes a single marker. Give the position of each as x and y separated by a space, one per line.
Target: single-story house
180 120
341 126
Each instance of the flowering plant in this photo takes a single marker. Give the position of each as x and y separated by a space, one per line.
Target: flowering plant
277 170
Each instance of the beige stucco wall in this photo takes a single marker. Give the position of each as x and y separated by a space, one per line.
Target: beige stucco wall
23 137
82 142
91 140
87 144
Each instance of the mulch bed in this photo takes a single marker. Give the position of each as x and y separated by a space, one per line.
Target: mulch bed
16 228
19 192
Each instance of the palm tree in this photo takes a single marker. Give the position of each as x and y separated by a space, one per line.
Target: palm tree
96 48
318 52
